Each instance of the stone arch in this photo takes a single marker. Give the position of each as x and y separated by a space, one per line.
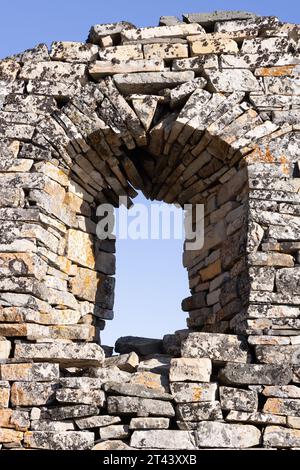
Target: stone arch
201 120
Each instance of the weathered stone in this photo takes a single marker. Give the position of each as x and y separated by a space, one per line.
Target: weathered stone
142 346
115 431
271 259
56 71
198 63
272 311
112 445
159 364
267 374
151 82
103 68
135 390
97 421
5 347
53 426
16 419
69 412
127 362
288 391
191 369
81 248
5 394
149 423
293 422
213 46
70 440
133 52
289 354
202 411
227 435
70 354
139 407
255 418
163 51
113 30
73 51
209 19
178 30
10 435
93 286
150 380
163 439
277 436
38 372
217 347
241 80
32 393
282 406
237 399
69 395
262 278
193 392
288 279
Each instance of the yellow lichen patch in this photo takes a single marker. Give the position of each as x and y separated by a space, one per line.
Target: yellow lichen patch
197 394
280 71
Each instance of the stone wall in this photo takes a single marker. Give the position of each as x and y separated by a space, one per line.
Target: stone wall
204 110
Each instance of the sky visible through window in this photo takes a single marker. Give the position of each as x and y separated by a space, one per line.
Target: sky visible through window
151 281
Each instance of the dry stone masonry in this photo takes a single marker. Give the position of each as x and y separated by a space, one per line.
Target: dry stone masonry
203 110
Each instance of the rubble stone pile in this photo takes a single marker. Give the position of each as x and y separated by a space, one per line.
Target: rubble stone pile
204 110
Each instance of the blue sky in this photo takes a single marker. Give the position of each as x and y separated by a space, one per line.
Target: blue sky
150 279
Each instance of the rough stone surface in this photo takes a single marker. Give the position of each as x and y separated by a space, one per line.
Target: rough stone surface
204 112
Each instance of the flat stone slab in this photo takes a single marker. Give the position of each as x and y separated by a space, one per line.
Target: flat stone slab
29 372
193 392
163 439
149 423
252 374
70 440
216 346
277 436
71 354
223 435
139 407
208 19
202 411
135 390
139 345
190 369
151 82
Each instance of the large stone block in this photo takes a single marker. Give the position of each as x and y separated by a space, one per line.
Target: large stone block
191 369
151 82
202 411
71 354
193 392
216 346
238 399
163 439
139 407
277 436
30 372
253 374
223 435
70 440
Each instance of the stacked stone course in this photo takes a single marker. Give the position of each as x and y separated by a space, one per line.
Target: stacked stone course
203 110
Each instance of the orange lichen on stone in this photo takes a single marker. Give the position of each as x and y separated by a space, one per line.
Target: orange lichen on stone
281 71
284 165
259 156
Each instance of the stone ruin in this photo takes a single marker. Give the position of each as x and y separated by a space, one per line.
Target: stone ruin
203 110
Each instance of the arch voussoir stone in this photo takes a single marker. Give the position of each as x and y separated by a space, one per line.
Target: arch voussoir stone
199 111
